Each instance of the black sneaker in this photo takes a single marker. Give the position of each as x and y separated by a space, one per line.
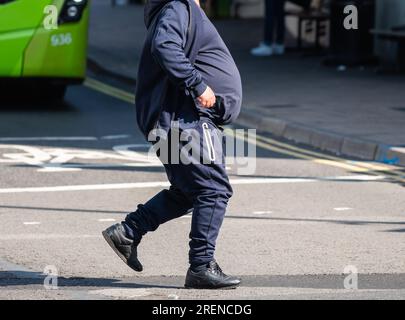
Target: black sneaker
210 278
124 247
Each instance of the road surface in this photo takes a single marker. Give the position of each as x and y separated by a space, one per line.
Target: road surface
304 225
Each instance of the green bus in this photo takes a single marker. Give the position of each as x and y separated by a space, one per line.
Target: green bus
52 56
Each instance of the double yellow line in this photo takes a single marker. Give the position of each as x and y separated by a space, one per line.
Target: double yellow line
394 173
109 90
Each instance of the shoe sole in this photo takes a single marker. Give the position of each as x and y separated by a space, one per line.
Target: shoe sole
119 254
211 288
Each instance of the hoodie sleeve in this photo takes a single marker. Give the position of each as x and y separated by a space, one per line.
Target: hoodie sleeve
168 45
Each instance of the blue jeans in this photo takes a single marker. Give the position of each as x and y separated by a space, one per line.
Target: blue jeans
274 24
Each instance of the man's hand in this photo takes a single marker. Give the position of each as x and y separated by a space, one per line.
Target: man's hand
207 99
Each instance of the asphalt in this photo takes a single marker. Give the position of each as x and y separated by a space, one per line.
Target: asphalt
293 226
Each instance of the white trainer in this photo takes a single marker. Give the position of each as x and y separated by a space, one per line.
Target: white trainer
278 49
263 50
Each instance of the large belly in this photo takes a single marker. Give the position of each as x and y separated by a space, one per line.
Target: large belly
220 73
223 77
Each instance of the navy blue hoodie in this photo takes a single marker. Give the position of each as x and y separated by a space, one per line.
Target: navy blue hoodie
182 55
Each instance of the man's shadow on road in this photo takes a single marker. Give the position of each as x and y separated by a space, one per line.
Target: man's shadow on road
31 278
303 281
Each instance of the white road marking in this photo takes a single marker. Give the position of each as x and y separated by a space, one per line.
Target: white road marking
27 155
187 216
164 184
342 209
94 187
10 139
117 136
173 297
79 167
127 151
106 220
49 168
32 223
398 149
73 138
43 236
142 165
57 159
262 212
122 293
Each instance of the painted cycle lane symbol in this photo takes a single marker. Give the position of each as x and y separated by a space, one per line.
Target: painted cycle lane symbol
50 159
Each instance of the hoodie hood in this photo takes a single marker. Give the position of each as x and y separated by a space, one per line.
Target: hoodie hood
152 8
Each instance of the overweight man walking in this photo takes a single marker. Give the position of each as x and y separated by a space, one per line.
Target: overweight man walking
187 80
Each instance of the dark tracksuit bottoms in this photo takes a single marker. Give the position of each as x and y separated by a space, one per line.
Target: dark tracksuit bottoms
203 189
274 21
166 67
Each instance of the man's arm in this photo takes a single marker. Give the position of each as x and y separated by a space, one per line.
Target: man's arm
167 49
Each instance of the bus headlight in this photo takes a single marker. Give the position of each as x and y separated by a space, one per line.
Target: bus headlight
72 11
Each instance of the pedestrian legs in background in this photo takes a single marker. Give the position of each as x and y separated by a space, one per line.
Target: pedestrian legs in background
274 30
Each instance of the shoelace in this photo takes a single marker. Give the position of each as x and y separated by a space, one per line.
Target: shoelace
215 268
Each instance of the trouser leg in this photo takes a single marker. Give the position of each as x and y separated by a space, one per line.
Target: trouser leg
279 14
207 186
165 206
208 215
203 188
269 22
